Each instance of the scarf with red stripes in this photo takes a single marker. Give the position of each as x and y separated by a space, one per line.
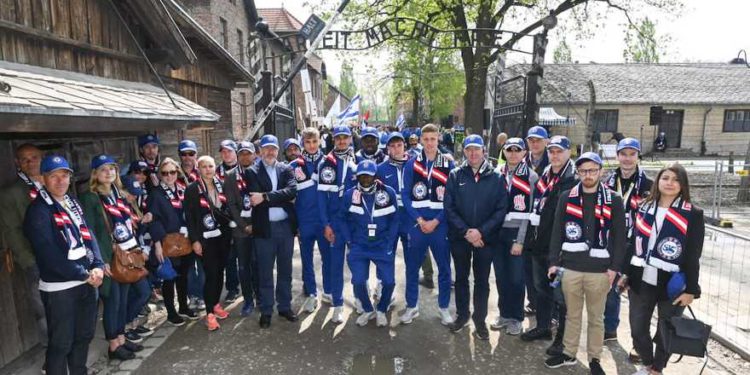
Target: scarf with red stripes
671 235
574 222
429 183
33 185
175 196
519 190
206 213
189 178
633 197
546 184
122 218
71 225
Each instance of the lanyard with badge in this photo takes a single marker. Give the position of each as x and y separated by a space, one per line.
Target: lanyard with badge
371 226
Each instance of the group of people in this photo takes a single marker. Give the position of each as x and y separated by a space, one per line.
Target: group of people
556 231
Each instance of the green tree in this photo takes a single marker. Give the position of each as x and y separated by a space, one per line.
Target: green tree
347 84
641 43
562 53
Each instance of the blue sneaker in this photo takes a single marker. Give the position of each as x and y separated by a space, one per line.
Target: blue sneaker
247 309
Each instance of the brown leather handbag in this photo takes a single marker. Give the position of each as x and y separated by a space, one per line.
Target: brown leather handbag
127 266
175 245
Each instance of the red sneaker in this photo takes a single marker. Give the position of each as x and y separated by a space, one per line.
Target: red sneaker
220 312
211 322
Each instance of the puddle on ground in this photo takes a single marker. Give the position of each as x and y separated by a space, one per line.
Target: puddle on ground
369 364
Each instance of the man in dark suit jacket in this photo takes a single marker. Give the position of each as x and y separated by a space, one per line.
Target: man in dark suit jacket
273 189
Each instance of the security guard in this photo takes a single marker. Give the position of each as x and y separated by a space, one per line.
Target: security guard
370 227
336 175
370 139
425 178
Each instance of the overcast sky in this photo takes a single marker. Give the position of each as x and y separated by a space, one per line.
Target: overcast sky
707 31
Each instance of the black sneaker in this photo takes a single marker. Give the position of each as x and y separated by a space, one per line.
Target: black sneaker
265 321
289 315
190 314
121 353
176 320
536 334
143 331
610 336
481 332
133 337
132 346
559 361
231 296
459 324
556 348
596 368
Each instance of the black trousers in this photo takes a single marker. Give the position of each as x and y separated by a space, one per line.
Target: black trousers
182 266
215 255
642 304
248 269
467 258
546 306
71 323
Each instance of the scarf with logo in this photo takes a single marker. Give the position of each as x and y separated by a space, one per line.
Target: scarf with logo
519 191
428 190
671 235
573 234
305 169
208 219
121 217
544 186
71 225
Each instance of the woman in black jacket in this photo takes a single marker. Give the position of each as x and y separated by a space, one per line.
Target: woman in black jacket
209 230
664 262
165 203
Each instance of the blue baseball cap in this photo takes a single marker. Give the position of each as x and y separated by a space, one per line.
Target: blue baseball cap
147 139
133 186
473 140
269 140
537 132
393 136
367 167
629 143
100 160
291 141
187 145
341 130
52 163
138 165
369 131
228 144
514 142
589 156
559 141
246 146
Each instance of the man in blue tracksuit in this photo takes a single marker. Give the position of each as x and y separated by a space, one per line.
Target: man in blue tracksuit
336 175
425 178
370 139
305 169
370 229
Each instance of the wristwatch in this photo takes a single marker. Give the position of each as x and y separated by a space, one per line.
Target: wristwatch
265 197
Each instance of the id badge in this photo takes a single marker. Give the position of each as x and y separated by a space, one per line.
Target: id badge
371 229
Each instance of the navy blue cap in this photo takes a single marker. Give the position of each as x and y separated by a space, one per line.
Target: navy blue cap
99 160
473 140
559 141
514 142
138 165
413 135
147 139
291 141
133 186
269 140
187 145
246 146
52 163
367 167
589 156
228 144
369 131
629 143
342 130
537 132
394 135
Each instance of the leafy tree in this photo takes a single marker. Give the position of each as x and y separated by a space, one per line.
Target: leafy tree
562 53
347 84
642 44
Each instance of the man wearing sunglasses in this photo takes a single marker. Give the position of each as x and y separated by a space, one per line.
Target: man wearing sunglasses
188 151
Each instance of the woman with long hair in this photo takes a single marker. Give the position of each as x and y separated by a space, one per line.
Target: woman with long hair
165 203
112 222
664 263
209 231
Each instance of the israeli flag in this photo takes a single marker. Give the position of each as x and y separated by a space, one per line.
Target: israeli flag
351 111
400 122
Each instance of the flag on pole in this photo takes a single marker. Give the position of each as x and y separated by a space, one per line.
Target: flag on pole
400 122
351 111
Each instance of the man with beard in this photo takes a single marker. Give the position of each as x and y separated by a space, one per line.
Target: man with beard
370 150
291 149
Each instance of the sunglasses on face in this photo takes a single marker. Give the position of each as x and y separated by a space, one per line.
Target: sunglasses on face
513 149
188 153
168 173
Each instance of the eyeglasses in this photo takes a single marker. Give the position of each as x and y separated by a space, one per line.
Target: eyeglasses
168 173
187 153
584 172
513 149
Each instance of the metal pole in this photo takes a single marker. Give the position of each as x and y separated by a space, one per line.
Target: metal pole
298 65
713 191
721 183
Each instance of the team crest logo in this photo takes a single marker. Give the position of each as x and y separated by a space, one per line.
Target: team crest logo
669 248
440 191
328 175
519 203
356 197
121 232
382 199
57 159
573 231
299 174
419 190
208 222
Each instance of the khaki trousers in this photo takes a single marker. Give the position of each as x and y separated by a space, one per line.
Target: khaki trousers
592 288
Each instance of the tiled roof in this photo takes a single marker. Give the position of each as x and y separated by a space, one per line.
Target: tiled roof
280 20
700 83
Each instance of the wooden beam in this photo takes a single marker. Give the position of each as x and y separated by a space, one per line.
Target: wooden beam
47 36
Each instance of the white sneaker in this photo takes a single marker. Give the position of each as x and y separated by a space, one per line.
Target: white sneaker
365 317
500 322
643 371
358 306
327 298
409 315
381 319
338 315
445 317
311 303
378 291
513 327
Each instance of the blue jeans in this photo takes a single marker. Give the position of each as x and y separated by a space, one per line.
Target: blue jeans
278 249
71 323
232 281
310 233
612 310
138 296
196 278
509 276
468 259
115 309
